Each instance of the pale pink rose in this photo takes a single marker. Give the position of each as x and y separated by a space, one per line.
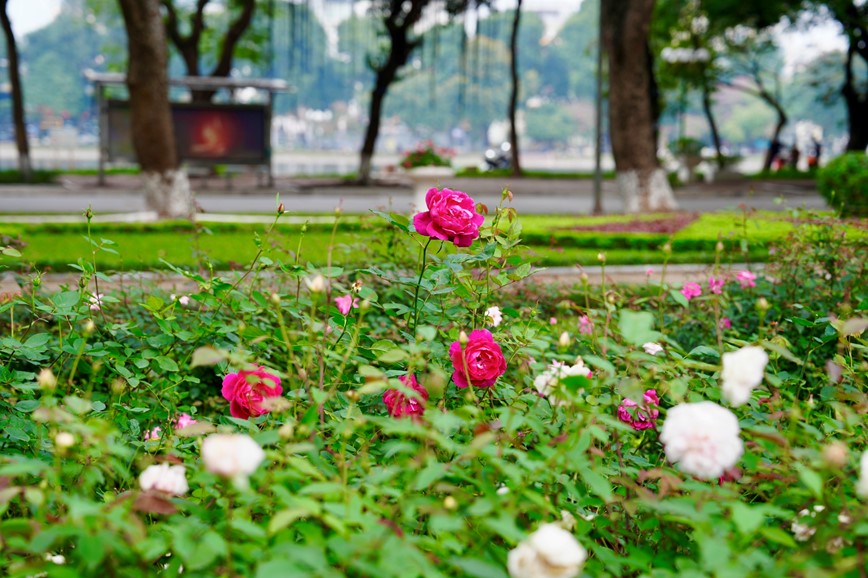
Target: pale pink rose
153 434
586 326
345 303
725 323
246 390
746 279
649 271
96 301
553 321
691 290
184 300
451 216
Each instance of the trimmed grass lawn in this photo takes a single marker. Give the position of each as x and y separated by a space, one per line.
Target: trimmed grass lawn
550 240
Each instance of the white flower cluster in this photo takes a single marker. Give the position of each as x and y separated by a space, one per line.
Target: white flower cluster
164 478
742 372
547 382
702 438
231 455
550 552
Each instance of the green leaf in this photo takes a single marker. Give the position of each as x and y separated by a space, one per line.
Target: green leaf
10 252
596 482
27 405
747 518
478 568
167 364
811 479
637 327
679 297
430 474
393 356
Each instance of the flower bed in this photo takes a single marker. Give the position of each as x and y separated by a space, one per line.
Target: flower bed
329 421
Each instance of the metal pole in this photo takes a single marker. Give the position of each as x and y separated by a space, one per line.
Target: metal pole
598 124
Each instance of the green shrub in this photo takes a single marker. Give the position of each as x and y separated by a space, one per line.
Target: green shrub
843 183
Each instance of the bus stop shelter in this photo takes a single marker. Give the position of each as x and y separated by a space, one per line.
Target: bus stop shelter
206 134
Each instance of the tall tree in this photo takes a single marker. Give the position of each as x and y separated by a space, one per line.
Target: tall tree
398 17
167 189
513 96
189 46
632 103
17 94
853 17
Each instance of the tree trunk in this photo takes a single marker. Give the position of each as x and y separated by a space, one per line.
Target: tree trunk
857 107
399 21
513 97
641 181
167 190
779 127
712 123
17 95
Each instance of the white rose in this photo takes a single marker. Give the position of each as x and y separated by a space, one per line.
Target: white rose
702 438
550 552
652 348
742 372
164 478
316 284
231 455
862 485
494 316
547 382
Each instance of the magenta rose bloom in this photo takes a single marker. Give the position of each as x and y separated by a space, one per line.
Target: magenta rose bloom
483 359
246 391
399 405
640 417
451 216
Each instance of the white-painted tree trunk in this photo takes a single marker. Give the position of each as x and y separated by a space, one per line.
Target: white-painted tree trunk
646 191
169 194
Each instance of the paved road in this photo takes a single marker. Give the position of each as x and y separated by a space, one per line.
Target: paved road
531 196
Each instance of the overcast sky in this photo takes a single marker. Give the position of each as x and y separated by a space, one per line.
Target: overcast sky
798 46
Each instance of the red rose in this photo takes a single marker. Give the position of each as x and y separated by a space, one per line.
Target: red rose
246 390
451 216
399 405
481 360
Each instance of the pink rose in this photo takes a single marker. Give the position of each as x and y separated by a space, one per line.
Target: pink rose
691 290
345 303
715 285
725 323
746 279
246 391
640 417
586 326
451 216
183 421
399 405
480 360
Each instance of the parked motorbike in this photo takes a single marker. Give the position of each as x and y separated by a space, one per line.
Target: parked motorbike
498 158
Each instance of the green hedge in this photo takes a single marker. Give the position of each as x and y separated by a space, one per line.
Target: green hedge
844 184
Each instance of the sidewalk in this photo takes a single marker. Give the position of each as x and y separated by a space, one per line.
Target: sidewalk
10 283
531 196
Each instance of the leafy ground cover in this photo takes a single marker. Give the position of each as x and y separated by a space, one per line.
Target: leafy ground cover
418 412
549 241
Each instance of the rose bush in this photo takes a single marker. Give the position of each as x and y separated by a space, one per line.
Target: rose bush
527 471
